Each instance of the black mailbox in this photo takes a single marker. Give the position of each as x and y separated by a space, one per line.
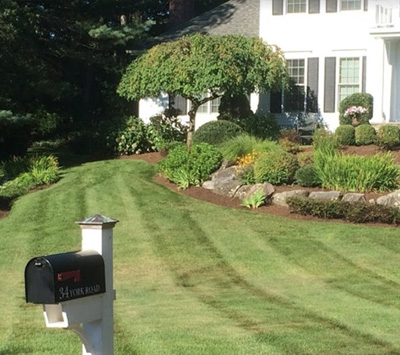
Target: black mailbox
63 277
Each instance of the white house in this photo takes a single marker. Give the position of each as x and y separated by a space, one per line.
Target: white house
333 48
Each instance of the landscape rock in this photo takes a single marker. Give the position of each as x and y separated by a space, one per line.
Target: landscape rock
391 200
325 195
225 175
353 197
280 197
247 190
228 188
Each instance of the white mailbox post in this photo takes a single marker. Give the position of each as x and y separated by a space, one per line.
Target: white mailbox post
76 289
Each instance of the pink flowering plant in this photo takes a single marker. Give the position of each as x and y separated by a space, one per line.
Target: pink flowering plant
355 113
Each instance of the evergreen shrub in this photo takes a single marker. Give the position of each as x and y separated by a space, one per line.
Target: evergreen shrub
345 134
388 136
306 176
365 134
357 99
216 132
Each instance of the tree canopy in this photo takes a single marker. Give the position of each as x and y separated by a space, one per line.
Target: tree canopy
195 65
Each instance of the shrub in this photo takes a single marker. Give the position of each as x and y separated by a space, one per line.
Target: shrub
15 166
357 99
133 139
165 129
289 146
325 140
190 167
291 135
275 167
216 132
352 212
365 134
263 127
388 136
305 158
345 134
306 176
244 144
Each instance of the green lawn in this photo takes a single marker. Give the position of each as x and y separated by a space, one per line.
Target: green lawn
193 278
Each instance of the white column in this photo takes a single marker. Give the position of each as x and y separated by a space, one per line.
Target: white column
97 234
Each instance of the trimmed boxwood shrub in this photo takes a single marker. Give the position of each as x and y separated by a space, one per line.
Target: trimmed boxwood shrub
306 176
216 132
356 99
388 136
345 134
275 167
365 134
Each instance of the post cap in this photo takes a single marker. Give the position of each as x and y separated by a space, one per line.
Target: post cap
98 220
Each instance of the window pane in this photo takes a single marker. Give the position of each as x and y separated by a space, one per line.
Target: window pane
350 5
294 97
296 6
203 108
349 77
215 104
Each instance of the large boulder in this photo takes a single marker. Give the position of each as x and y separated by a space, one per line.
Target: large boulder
247 190
353 197
325 195
281 197
391 200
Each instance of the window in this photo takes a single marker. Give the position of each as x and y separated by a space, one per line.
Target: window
203 108
294 98
349 77
215 104
296 6
346 5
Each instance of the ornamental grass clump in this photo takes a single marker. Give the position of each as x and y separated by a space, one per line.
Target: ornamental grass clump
245 144
356 173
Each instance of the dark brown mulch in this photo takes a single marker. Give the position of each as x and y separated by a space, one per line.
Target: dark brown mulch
208 196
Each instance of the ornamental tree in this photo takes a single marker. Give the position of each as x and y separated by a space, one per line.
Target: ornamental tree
199 64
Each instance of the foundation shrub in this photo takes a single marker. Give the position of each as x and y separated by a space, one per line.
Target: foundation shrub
275 167
365 134
388 137
263 127
345 134
291 135
306 176
216 132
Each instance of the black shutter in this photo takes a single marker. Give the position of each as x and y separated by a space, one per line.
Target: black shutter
312 88
331 5
313 6
330 84
277 7
365 5
276 102
364 74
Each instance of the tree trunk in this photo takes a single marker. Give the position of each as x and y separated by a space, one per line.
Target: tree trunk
192 125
